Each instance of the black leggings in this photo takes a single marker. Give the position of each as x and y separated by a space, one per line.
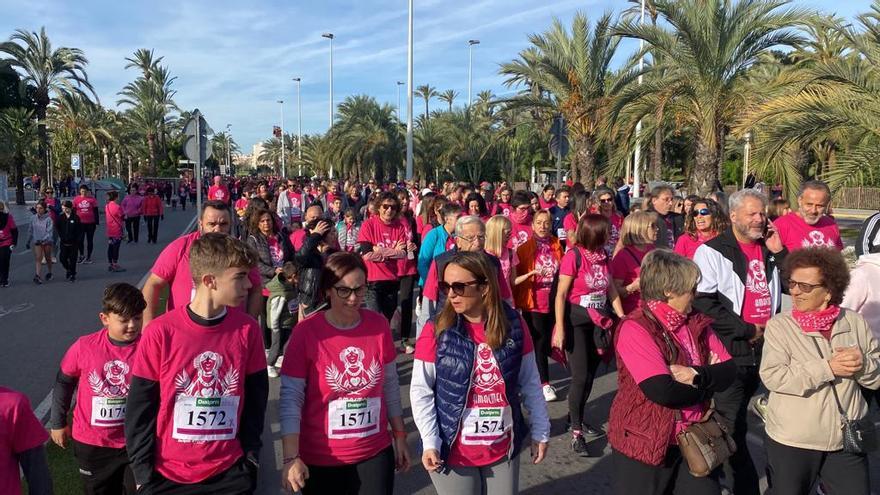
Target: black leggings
113 250
374 476
67 257
109 471
87 239
671 477
5 258
792 470
152 228
133 228
382 297
406 300
541 329
583 360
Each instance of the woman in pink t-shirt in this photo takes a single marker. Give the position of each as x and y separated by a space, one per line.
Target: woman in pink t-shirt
585 299
670 363
115 219
603 203
637 238
498 232
502 206
340 392
704 222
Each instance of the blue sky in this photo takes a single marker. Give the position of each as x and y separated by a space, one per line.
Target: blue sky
234 60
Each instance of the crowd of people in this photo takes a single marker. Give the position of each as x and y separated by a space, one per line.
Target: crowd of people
322 284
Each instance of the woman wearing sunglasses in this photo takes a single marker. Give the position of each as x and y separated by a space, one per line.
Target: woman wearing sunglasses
472 435
340 392
704 222
603 203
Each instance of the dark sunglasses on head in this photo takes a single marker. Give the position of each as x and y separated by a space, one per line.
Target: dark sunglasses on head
346 292
459 288
803 286
702 212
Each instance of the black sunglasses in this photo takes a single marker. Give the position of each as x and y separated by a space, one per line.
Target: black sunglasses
346 292
388 207
702 212
458 288
803 286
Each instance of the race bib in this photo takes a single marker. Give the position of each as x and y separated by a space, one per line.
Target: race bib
353 418
560 233
108 411
205 418
593 301
485 425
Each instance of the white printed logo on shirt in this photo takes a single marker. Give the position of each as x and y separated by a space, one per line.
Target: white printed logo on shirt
816 239
206 405
110 392
486 372
354 378
756 282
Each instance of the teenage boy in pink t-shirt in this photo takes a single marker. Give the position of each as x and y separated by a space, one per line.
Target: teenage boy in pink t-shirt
97 366
199 387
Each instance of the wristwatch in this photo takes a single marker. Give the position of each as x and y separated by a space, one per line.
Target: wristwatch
698 378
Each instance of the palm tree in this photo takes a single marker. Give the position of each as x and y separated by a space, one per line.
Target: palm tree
52 72
449 97
566 72
77 124
367 134
143 60
271 154
704 62
426 92
18 134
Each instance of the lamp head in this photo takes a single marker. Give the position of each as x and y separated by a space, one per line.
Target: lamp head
473 42
328 36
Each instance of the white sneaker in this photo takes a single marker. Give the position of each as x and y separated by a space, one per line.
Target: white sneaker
409 349
279 362
549 393
273 371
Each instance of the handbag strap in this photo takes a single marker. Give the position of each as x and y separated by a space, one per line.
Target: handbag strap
831 383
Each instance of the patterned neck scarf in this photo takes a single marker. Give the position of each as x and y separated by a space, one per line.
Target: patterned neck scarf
594 257
817 321
671 319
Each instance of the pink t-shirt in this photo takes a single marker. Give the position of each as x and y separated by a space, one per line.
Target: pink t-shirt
20 431
344 370
85 208
569 223
616 221
519 234
297 237
6 232
409 264
547 262
589 288
378 233
432 285
626 267
756 301
172 266
201 373
508 259
796 234
276 251
643 359
503 209
479 443
103 370
546 205
114 220
219 193
687 245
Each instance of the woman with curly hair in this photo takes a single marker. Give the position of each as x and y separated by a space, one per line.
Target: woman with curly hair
703 223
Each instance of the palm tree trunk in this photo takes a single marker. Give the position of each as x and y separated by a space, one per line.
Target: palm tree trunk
427 100
706 167
19 178
657 155
43 136
586 161
151 145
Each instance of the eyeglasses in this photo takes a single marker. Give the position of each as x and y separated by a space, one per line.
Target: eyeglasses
346 292
803 286
605 201
389 206
459 288
522 207
702 212
473 238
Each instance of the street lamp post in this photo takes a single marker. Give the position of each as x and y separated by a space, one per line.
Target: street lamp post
228 149
299 123
637 160
746 152
409 97
399 84
471 44
330 37
283 166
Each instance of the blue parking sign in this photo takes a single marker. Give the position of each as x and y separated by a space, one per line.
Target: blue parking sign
74 162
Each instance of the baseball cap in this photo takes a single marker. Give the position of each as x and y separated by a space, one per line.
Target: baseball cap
426 190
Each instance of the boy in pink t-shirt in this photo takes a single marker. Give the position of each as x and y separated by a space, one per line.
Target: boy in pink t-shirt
199 385
97 366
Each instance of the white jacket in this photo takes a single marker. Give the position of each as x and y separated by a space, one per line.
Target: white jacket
863 293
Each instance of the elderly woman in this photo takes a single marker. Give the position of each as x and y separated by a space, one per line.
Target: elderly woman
474 370
670 362
704 222
815 359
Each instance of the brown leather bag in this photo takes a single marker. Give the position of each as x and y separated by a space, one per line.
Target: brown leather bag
706 444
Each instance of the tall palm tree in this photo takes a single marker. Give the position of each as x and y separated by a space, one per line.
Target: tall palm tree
52 72
449 97
271 154
566 72
18 134
368 134
426 92
143 60
705 48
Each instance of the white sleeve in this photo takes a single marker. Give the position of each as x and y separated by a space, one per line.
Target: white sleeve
708 275
533 398
421 397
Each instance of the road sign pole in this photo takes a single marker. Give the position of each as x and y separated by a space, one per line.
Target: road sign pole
198 118
558 167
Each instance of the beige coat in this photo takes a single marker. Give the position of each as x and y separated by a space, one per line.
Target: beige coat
801 409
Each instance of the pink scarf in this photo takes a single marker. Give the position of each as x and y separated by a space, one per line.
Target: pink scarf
521 217
594 257
817 321
667 315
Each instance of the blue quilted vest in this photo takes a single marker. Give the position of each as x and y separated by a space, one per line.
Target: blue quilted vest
454 366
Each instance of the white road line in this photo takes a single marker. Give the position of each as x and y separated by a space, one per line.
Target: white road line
42 410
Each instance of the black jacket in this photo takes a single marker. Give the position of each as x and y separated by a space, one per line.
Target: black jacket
721 291
310 262
69 229
677 222
259 243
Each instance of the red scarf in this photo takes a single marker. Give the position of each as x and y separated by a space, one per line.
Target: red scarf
594 257
667 315
817 321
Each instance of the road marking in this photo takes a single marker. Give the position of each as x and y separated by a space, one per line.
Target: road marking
42 410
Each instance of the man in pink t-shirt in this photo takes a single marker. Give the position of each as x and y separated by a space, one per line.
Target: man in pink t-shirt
172 268
199 387
810 225
219 192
